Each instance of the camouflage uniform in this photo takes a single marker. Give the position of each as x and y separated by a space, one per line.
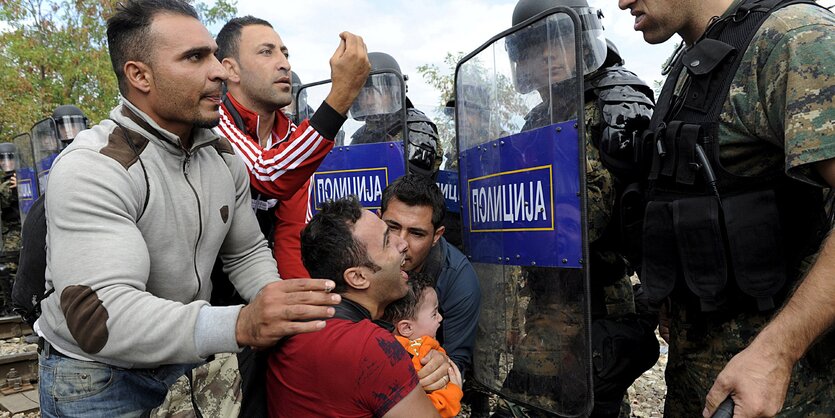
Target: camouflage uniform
777 118
549 316
11 243
215 388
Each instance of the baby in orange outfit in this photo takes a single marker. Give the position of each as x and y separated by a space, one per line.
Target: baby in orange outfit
416 320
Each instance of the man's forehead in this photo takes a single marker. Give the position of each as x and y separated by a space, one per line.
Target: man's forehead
400 212
260 34
180 32
369 228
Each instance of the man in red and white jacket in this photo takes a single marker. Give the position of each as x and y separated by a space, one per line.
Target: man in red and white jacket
279 155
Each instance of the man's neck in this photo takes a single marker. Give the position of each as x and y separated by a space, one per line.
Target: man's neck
266 117
375 309
182 131
701 18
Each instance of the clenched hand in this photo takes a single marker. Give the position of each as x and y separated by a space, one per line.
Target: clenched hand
349 70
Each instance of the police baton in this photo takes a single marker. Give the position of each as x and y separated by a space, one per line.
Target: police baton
725 409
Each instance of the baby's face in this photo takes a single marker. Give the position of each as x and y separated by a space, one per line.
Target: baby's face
428 319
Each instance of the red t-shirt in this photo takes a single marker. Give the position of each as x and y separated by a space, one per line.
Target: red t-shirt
349 369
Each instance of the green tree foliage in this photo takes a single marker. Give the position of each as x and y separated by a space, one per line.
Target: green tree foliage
443 80
504 104
54 52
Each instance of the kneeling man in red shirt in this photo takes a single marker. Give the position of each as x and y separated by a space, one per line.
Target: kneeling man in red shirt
354 367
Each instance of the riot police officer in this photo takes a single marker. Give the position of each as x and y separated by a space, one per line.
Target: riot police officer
10 223
8 158
617 108
69 121
379 105
736 224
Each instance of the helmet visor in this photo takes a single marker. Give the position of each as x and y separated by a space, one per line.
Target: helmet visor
8 162
544 53
381 95
70 126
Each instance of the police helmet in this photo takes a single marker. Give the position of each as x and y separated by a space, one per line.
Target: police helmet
8 157
293 108
383 90
613 56
295 80
470 96
526 46
69 120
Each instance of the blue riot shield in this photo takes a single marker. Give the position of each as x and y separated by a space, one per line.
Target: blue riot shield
520 133
45 147
446 176
369 151
27 176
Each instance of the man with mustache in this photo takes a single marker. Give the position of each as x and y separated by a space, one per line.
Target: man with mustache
413 207
749 100
139 208
354 367
279 155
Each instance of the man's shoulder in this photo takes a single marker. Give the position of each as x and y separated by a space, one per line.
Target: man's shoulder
457 275
233 124
798 16
455 259
344 338
106 140
359 350
799 24
95 137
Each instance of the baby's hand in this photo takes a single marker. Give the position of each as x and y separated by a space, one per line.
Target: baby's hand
455 374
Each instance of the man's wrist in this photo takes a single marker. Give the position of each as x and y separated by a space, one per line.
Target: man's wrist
339 101
216 330
778 346
327 120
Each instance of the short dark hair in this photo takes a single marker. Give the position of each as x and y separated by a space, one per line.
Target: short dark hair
406 307
416 190
128 31
229 37
328 244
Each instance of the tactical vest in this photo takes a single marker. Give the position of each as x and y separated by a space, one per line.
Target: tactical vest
718 232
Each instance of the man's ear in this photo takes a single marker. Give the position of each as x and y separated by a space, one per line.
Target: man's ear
139 75
438 234
356 279
233 69
404 328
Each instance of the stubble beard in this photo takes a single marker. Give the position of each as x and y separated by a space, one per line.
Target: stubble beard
204 123
268 97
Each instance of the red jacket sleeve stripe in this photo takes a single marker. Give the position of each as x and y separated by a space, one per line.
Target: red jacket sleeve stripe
293 160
